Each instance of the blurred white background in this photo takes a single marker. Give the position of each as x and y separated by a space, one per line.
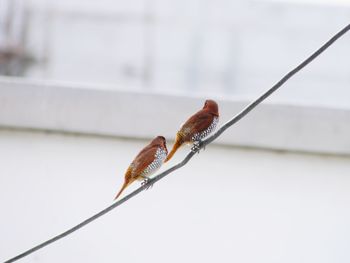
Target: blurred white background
229 48
84 85
227 205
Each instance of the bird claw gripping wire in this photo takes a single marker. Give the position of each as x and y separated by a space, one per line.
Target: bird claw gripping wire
148 183
197 145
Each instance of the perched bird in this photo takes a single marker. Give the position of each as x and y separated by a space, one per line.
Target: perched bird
147 162
197 126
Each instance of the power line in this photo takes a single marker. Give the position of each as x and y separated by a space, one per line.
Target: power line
235 119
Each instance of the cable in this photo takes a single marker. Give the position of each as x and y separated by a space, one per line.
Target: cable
235 119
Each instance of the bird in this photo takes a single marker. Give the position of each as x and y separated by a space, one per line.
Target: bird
146 163
197 127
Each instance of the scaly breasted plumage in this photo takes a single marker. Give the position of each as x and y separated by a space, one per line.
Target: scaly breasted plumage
147 162
197 127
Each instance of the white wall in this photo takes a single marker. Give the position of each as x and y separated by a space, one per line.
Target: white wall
83 109
226 205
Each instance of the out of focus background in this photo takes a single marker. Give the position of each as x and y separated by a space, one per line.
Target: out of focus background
84 85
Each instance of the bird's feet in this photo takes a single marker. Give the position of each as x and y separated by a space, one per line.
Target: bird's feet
197 145
148 182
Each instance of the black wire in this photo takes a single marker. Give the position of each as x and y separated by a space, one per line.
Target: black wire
235 119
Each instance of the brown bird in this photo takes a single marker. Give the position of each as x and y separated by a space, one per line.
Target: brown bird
197 126
147 162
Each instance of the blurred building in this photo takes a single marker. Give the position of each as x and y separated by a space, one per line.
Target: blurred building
226 48
85 84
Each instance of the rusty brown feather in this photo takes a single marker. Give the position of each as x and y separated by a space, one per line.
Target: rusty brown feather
148 161
197 127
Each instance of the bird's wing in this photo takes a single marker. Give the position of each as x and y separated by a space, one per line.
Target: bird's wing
143 160
197 123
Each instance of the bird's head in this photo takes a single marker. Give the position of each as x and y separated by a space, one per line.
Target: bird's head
212 107
161 141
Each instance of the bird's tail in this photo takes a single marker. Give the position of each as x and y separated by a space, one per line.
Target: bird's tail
125 185
177 144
